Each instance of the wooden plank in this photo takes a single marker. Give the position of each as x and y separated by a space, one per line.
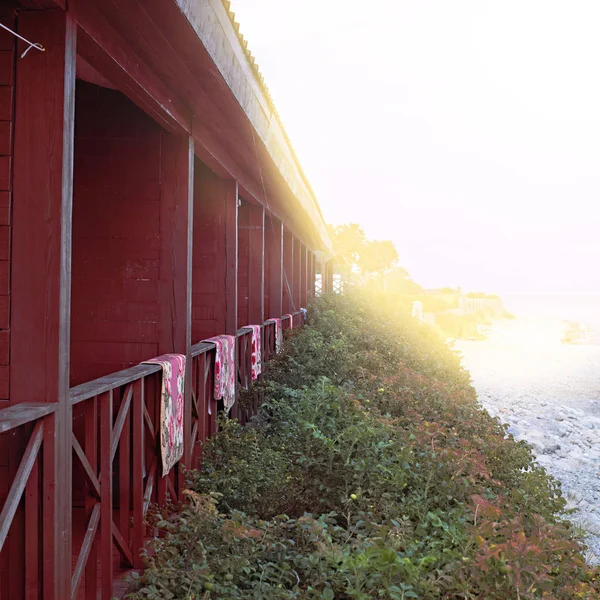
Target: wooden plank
111 382
89 473
49 557
32 537
85 554
137 492
126 70
275 249
125 483
106 575
256 265
5 138
5 173
120 421
21 414
176 221
91 452
122 546
230 258
288 272
22 476
41 251
6 102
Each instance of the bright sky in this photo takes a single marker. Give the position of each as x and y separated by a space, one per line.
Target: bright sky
466 131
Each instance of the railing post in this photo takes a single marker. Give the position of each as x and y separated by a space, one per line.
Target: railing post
137 534
41 263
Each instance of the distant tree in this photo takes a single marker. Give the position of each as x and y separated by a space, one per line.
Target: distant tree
348 241
377 257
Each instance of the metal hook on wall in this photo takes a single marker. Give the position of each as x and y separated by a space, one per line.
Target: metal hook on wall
31 44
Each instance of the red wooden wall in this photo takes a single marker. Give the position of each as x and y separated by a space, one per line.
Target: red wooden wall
215 255
7 441
7 73
116 206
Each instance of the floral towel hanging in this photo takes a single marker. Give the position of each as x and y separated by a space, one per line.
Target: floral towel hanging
224 369
256 352
171 408
291 320
278 334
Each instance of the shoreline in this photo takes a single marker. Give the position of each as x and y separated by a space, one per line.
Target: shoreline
548 392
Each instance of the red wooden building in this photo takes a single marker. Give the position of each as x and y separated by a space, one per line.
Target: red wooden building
149 199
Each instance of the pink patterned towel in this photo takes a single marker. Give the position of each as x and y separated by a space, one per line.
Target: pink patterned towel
278 333
256 351
224 369
171 408
291 320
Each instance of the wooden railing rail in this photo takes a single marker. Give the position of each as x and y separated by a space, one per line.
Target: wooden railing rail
33 422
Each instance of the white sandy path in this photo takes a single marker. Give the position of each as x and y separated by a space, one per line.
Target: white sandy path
549 393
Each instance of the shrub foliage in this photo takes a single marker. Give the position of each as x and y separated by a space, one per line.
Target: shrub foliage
370 472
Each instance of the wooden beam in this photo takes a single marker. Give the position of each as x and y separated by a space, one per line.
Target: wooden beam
275 279
256 264
288 271
112 56
303 275
41 255
231 204
175 266
215 261
297 294
175 259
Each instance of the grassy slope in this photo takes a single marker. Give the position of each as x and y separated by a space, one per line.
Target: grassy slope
371 472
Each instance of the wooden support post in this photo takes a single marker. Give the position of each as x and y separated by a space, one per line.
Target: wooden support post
304 276
256 265
329 271
230 258
41 260
275 279
215 262
297 294
288 271
175 266
311 274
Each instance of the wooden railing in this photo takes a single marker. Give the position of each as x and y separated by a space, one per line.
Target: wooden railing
202 410
31 428
116 443
117 459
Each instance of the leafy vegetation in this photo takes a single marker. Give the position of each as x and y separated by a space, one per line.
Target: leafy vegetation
370 472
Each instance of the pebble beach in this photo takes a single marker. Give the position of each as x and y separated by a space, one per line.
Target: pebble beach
548 393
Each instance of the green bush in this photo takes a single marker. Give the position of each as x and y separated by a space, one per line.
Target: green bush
370 472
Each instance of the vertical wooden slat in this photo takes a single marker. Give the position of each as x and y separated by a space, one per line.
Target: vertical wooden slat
32 530
137 535
49 557
124 480
91 453
41 251
105 424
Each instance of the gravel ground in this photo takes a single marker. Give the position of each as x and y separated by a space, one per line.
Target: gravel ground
549 394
